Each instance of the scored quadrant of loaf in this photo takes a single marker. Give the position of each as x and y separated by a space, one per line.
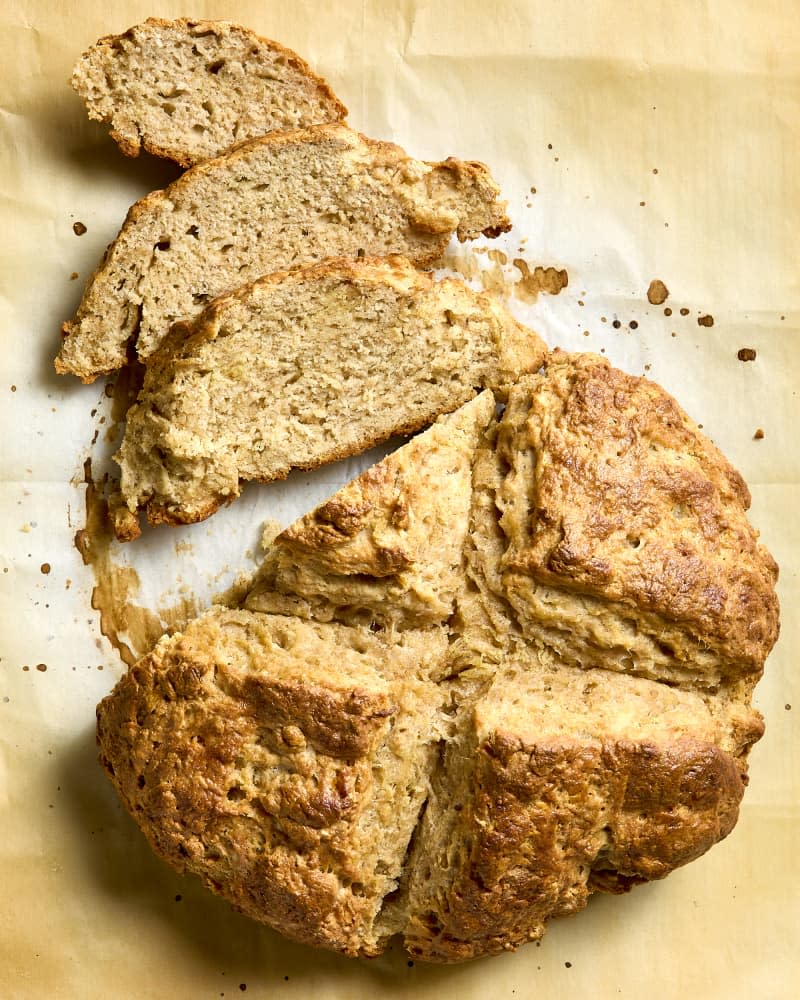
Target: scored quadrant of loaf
625 536
188 89
274 202
303 368
284 762
387 546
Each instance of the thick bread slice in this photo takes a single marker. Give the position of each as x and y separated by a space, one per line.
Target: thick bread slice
626 539
284 199
304 367
283 762
188 90
388 547
563 781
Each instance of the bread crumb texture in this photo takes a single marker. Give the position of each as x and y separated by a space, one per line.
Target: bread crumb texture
188 90
507 667
302 368
274 202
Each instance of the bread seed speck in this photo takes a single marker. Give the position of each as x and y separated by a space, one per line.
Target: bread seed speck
78 228
746 354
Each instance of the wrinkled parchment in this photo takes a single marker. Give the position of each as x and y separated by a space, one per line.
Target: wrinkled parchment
634 142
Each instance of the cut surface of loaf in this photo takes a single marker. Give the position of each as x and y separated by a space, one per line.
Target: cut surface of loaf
389 544
553 756
187 89
302 368
278 201
285 762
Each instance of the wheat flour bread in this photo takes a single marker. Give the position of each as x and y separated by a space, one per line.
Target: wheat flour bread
187 89
285 199
287 762
551 774
388 546
302 368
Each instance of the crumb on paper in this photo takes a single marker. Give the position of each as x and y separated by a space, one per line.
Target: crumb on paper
705 320
270 530
746 354
759 434
657 292
74 276
78 228
684 311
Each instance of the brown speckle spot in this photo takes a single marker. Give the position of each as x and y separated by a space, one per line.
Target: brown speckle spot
655 170
26 668
178 898
45 568
634 325
242 987
13 388
533 191
657 292
759 434
74 276
616 324
549 145
788 707
41 667
746 354
603 319
684 311
568 965
78 228
642 204
668 311
705 320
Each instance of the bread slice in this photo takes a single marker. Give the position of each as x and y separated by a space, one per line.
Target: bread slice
561 781
304 367
626 539
285 199
387 549
188 90
283 762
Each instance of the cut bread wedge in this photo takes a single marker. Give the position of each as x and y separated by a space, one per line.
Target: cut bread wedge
285 199
305 367
187 90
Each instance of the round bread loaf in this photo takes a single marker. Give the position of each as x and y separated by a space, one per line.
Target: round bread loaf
507 667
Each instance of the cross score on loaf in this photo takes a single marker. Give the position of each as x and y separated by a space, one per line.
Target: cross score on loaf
508 666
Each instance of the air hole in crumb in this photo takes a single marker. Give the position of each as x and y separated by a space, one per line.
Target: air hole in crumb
236 794
215 66
162 245
634 542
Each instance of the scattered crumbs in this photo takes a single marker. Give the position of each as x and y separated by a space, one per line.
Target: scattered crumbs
178 898
580 302
45 568
533 191
67 584
700 426
549 145
657 292
286 978
586 333
684 311
673 334
647 368
26 668
783 317
668 311
616 324
603 319
568 965
13 388
788 707
410 962
242 987
41 667
556 159
78 228
109 389
642 204
74 276
746 354
705 320
633 325
655 170
498 256
759 434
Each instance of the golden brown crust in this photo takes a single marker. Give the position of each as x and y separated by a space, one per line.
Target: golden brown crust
615 493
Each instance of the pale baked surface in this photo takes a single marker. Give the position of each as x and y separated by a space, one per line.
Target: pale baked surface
189 89
388 546
561 755
274 202
302 368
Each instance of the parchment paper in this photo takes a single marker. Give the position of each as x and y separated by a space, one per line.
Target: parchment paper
662 143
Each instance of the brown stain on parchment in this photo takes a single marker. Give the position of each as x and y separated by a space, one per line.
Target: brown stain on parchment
550 280
657 292
116 585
